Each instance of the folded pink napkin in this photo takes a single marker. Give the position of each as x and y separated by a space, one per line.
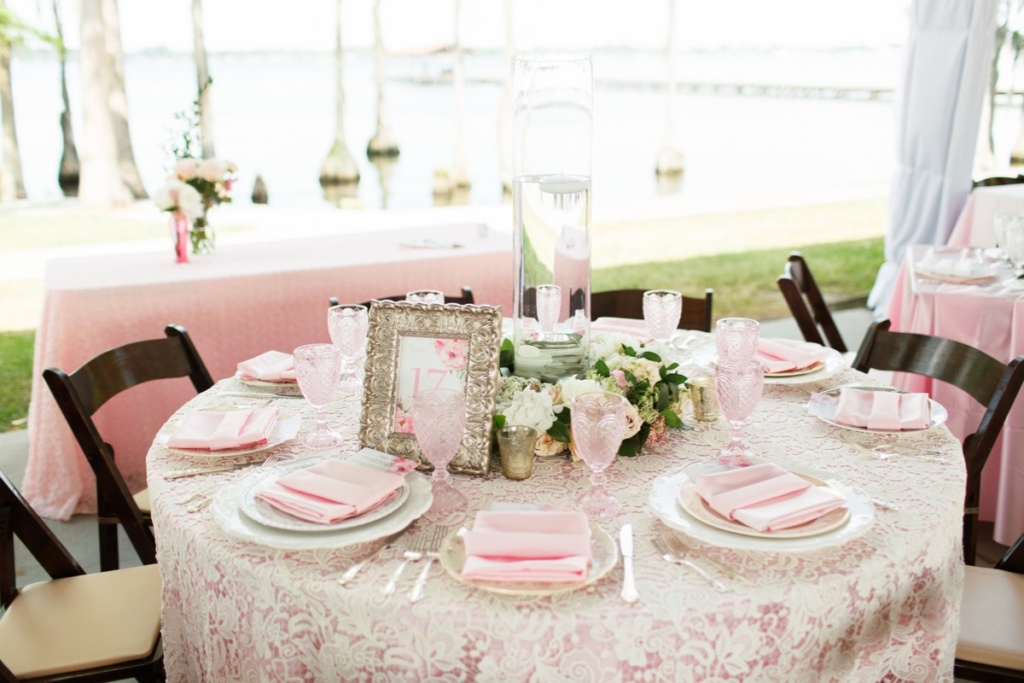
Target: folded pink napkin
218 431
884 410
272 366
787 355
637 328
331 491
766 497
549 546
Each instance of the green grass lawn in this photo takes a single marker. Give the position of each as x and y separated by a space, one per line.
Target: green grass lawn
744 285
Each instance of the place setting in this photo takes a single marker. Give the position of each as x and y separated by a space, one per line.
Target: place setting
965 266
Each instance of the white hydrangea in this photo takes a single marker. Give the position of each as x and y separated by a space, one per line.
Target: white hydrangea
532 409
606 344
568 389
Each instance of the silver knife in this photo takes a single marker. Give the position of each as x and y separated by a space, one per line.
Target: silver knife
258 394
629 593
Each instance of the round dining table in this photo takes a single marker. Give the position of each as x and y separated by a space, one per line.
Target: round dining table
879 604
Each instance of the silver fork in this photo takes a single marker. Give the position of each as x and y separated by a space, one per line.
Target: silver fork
417 546
433 550
673 552
205 496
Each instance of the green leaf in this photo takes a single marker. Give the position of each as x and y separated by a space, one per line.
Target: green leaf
627 449
675 378
507 355
651 356
559 432
628 351
602 368
499 421
664 397
641 436
564 416
671 419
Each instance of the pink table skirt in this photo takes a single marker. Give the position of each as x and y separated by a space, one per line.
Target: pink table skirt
882 607
236 303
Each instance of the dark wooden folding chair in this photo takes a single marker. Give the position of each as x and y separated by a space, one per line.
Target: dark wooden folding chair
76 626
629 303
80 394
998 180
988 381
991 643
465 298
807 304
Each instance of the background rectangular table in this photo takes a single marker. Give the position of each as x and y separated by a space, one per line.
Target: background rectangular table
236 303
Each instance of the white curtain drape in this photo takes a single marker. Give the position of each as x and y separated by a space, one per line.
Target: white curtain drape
947 61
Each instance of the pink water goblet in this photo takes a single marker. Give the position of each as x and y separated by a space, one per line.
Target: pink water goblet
662 309
439 420
347 324
738 388
736 339
425 296
598 421
317 369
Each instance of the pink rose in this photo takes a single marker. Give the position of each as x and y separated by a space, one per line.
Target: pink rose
211 169
620 379
185 169
403 422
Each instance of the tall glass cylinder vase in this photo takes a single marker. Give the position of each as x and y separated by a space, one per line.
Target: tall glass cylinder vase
552 113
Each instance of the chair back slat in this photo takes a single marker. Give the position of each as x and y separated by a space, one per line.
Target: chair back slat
807 304
629 303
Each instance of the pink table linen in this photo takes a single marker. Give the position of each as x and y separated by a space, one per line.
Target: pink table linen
236 303
989 318
271 366
882 410
331 491
528 546
785 355
882 607
215 431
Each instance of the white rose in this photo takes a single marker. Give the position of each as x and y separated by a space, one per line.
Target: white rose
643 369
163 198
185 169
605 344
548 446
571 388
532 409
190 202
633 421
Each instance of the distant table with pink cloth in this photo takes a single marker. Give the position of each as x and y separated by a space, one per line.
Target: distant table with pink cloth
236 303
982 314
881 606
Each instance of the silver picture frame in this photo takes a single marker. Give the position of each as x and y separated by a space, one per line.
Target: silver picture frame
413 346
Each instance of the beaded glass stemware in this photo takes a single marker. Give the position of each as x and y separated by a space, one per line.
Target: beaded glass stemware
736 339
738 387
317 369
425 296
439 420
662 309
347 324
598 421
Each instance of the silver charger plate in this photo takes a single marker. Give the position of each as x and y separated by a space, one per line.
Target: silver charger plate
226 509
266 514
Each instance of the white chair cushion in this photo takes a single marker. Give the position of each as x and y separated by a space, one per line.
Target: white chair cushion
82 622
992 618
142 500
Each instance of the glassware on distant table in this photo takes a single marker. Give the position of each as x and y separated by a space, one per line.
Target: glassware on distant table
425 296
348 324
318 371
1000 222
598 420
1015 249
738 387
549 305
662 309
516 447
439 419
736 339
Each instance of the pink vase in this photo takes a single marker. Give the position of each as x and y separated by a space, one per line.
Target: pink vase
179 226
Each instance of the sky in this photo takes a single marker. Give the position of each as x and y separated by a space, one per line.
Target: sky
258 25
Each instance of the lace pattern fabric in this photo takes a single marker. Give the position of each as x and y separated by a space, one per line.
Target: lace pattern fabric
882 607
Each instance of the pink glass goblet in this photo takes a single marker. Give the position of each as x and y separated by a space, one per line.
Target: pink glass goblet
347 324
662 309
736 339
738 387
439 419
598 420
317 368
425 296
549 305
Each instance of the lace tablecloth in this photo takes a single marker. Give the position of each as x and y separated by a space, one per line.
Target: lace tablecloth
884 606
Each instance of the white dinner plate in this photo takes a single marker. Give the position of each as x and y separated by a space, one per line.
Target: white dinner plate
707 354
980 274
285 430
262 512
603 556
289 387
229 517
664 502
937 414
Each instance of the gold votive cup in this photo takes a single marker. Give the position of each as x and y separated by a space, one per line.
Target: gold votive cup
705 402
516 444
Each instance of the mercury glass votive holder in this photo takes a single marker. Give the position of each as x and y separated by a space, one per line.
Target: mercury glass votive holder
516 444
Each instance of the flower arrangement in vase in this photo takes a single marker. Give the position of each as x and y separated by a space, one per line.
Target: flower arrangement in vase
185 205
620 364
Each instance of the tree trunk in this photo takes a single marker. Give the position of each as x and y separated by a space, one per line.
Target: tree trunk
203 82
119 101
101 185
67 176
339 167
382 143
670 159
460 173
1001 32
505 108
12 184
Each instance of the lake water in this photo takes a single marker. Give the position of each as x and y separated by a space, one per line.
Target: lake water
274 115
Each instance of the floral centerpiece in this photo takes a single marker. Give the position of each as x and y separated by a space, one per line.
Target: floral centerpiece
620 364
